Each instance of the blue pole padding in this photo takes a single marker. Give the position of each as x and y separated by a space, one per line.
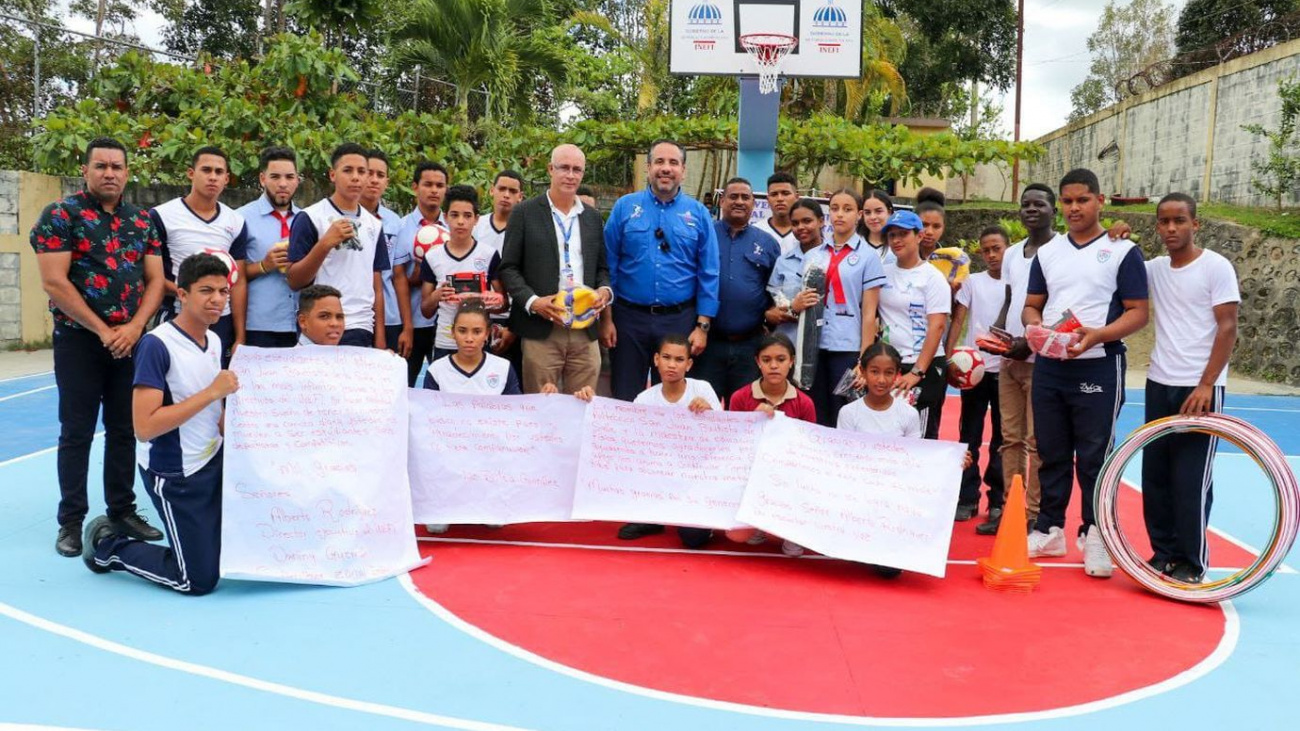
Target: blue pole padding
756 143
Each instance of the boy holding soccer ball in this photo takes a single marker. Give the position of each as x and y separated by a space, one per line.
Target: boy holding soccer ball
980 299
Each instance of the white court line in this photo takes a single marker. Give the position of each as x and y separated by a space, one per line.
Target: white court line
26 393
1227 643
38 453
204 671
707 552
1234 408
29 375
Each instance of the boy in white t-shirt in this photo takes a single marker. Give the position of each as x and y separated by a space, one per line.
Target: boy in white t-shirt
1195 296
458 270
177 410
673 361
980 301
1076 399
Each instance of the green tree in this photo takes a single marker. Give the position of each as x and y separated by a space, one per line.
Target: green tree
1213 31
1278 174
952 43
1126 49
507 47
222 28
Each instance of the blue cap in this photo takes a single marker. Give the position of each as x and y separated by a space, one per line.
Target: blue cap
903 219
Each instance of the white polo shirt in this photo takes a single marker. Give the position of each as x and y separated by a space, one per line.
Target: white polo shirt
1091 280
351 267
1184 300
183 233
169 360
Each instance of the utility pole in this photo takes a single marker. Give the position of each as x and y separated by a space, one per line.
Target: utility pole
1020 78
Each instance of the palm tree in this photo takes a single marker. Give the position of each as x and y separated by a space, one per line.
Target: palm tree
648 43
883 50
493 45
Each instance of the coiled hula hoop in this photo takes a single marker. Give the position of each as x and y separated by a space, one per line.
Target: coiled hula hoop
1245 437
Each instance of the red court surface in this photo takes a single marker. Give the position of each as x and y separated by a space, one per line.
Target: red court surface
820 635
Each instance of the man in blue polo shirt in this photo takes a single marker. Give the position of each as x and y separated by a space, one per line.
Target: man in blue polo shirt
272 305
663 268
746 256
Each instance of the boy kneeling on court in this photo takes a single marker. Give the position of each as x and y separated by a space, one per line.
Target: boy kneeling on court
320 315
177 409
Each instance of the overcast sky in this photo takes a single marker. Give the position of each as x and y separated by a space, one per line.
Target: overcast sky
1056 57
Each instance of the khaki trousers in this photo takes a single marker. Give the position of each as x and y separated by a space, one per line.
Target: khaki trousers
568 358
1019 447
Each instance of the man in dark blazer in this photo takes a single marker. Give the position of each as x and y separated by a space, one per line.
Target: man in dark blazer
548 239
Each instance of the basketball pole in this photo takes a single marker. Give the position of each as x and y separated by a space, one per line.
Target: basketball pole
756 137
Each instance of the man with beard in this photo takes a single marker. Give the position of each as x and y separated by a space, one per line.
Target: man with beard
272 305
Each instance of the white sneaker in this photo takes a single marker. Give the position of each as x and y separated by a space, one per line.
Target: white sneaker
1051 543
792 549
436 527
1096 560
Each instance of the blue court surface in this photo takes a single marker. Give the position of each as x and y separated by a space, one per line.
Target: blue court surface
112 653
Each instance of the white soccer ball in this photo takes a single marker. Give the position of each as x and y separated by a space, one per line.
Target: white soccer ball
429 236
229 261
965 368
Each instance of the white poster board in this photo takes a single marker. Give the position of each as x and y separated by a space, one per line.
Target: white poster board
493 459
315 484
860 497
654 464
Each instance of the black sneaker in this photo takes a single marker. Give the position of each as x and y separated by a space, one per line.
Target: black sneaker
1185 573
990 526
1160 565
69 541
966 512
98 529
133 525
633 531
886 572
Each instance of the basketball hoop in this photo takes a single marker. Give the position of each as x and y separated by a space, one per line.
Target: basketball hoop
768 50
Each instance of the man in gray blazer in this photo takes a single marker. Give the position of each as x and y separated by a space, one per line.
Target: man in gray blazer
549 239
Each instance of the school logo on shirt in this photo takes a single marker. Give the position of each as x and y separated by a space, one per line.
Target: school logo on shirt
853 259
493 380
1103 256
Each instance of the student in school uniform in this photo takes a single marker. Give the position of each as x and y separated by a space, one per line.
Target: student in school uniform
1195 296
929 207
979 302
877 207
807 220
1076 400
853 287
197 222
460 269
772 392
272 307
673 361
781 196
399 329
507 191
336 241
882 410
178 412
320 315
429 184
914 307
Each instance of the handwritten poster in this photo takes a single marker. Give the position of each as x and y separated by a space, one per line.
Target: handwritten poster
651 464
315 483
493 459
854 496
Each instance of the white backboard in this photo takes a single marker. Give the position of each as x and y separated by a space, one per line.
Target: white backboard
705 36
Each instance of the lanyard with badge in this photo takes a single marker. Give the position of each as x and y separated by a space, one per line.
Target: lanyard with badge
566 269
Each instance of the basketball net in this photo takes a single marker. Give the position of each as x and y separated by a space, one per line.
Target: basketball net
768 50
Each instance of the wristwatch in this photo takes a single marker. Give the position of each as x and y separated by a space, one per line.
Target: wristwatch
917 371
703 326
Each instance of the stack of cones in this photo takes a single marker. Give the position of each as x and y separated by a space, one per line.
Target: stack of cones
1009 569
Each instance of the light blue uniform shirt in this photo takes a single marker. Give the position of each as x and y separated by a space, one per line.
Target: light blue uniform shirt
640 271
859 271
787 279
398 255
406 242
272 306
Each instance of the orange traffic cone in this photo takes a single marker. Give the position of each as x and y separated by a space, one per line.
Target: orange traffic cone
1009 569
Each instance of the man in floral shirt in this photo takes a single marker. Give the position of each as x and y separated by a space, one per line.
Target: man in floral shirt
101 266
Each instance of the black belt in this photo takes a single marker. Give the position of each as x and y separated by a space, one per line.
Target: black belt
656 309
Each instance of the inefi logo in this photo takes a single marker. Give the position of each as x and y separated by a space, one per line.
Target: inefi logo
829 28
705 14
830 15
704 26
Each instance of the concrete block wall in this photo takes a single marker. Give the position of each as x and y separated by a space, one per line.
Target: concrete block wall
1184 136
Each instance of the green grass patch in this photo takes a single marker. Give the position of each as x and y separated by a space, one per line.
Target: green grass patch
1284 223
